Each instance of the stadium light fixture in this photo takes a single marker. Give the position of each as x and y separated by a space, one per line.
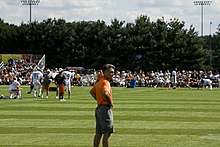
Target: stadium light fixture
30 3
202 3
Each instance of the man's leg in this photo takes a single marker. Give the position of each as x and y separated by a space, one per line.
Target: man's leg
105 140
57 91
68 94
47 91
69 89
39 90
60 96
19 94
31 88
35 90
97 139
210 86
61 92
42 91
10 94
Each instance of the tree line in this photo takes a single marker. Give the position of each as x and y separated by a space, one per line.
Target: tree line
142 45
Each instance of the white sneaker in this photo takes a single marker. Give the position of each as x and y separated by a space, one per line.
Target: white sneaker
56 97
42 96
47 97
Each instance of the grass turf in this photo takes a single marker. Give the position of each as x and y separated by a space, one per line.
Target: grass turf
143 117
5 57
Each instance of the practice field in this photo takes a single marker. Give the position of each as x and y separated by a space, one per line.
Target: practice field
144 117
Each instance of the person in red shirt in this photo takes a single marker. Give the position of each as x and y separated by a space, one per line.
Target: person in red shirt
102 93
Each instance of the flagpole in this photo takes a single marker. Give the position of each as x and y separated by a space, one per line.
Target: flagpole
43 58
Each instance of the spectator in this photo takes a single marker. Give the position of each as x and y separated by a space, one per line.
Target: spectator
10 62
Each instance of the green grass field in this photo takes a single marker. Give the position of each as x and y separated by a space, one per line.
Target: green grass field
143 117
5 57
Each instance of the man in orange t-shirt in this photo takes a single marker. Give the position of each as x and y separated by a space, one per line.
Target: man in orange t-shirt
102 93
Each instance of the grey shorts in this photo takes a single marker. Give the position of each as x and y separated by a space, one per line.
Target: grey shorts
104 119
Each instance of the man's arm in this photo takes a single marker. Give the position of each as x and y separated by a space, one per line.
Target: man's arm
92 94
107 97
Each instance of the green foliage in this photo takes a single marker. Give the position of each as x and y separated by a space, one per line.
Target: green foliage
142 45
8 37
142 116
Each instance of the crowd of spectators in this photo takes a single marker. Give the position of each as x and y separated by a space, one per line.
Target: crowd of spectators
156 78
22 69
18 68
161 79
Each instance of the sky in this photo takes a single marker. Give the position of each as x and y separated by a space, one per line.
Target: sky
13 12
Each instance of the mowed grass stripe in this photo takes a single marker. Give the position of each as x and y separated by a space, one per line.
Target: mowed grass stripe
86 123
37 130
46 140
49 117
169 109
144 106
80 103
172 100
140 115
46 108
137 118
169 131
116 114
142 101
116 109
158 90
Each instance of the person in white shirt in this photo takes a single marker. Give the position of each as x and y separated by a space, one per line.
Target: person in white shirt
69 76
174 78
206 82
36 77
167 82
14 90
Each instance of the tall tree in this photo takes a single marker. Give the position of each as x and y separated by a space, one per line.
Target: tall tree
215 48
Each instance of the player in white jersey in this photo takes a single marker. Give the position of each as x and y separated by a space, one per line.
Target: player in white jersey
174 78
69 76
36 77
13 90
206 82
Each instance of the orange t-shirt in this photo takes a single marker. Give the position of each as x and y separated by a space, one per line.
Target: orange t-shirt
99 89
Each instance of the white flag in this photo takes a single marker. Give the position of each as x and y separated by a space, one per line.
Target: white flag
1 65
41 63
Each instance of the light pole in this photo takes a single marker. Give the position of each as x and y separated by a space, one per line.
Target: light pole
210 44
202 3
30 3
